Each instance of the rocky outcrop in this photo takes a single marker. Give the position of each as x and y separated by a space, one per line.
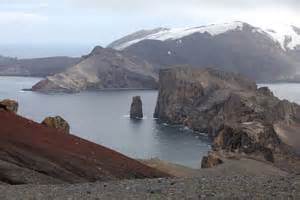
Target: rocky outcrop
57 123
136 109
31 153
229 108
9 105
211 160
102 69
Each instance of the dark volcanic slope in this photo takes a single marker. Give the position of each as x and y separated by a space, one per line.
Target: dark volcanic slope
39 67
47 152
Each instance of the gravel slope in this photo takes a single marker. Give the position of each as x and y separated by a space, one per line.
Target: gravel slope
212 187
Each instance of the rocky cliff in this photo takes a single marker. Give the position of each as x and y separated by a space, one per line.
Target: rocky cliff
102 69
229 108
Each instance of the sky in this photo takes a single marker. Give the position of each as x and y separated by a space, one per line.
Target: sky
74 26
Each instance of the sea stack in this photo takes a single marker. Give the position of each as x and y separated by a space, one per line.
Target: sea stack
57 123
136 110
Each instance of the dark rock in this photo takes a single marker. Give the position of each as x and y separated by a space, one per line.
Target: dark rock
211 160
136 109
9 105
229 108
249 138
57 123
265 91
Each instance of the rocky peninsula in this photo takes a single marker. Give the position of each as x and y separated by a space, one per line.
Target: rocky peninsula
238 116
102 69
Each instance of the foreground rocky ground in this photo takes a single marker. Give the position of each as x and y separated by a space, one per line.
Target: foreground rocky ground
234 179
204 187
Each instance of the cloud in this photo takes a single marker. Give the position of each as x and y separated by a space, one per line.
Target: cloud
16 18
129 5
256 12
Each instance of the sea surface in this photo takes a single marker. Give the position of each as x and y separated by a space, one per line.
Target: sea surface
103 117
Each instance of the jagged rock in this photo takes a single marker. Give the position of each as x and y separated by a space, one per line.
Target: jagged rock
250 137
136 110
58 123
211 160
229 108
265 91
9 105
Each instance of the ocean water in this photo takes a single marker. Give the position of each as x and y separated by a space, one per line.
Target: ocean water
103 117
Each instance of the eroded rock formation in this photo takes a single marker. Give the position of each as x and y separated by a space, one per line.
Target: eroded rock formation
136 109
9 105
211 160
58 123
229 108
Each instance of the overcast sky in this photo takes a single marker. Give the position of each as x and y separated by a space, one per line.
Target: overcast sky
92 22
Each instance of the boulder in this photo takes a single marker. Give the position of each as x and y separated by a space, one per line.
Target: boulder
230 108
57 123
249 138
9 105
211 160
136 110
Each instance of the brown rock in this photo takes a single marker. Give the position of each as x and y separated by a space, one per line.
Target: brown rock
229 108
9 105
136 110
249 138
211 160
58 123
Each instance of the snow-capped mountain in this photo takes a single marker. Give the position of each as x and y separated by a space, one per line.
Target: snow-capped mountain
261 54
287 36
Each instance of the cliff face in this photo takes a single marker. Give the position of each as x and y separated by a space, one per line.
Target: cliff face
227 106
31 153
102 69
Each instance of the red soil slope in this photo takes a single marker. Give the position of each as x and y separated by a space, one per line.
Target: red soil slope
65 157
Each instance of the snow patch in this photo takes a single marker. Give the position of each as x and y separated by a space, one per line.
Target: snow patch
178 33
286 36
